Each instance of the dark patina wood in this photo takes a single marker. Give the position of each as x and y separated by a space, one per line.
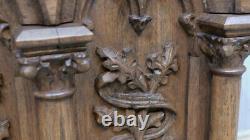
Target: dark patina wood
66 63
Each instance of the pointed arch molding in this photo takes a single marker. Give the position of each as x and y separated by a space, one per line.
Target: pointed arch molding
50 12
126 86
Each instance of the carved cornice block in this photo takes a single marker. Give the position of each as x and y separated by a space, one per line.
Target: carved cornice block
4 130
225 25
227 41
40 40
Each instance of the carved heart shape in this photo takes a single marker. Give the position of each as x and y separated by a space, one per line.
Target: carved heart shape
139 23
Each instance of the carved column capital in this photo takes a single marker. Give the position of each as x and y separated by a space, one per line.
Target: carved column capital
54 74
226 55
4 129
51 56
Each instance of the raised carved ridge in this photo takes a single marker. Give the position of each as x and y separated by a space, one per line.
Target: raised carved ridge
138 18
125 85
1 84
4 129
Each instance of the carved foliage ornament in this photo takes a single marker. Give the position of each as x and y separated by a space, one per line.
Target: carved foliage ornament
138 18
226 54
126 86
187 19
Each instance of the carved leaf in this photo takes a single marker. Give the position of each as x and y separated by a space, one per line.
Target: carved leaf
106 78
155 119
137 90
124 64
161 65
168 54
108 64
107 53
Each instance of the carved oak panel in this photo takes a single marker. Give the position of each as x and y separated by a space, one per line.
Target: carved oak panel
127 86
113 55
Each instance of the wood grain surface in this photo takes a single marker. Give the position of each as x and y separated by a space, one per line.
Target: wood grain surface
73 118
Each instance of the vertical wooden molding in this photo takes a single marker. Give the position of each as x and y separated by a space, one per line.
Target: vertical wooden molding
4 129
226 57
5 41
56 120
1 84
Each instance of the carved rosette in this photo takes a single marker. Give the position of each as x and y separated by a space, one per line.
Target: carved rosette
126 86
54 74
4 130
226 55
